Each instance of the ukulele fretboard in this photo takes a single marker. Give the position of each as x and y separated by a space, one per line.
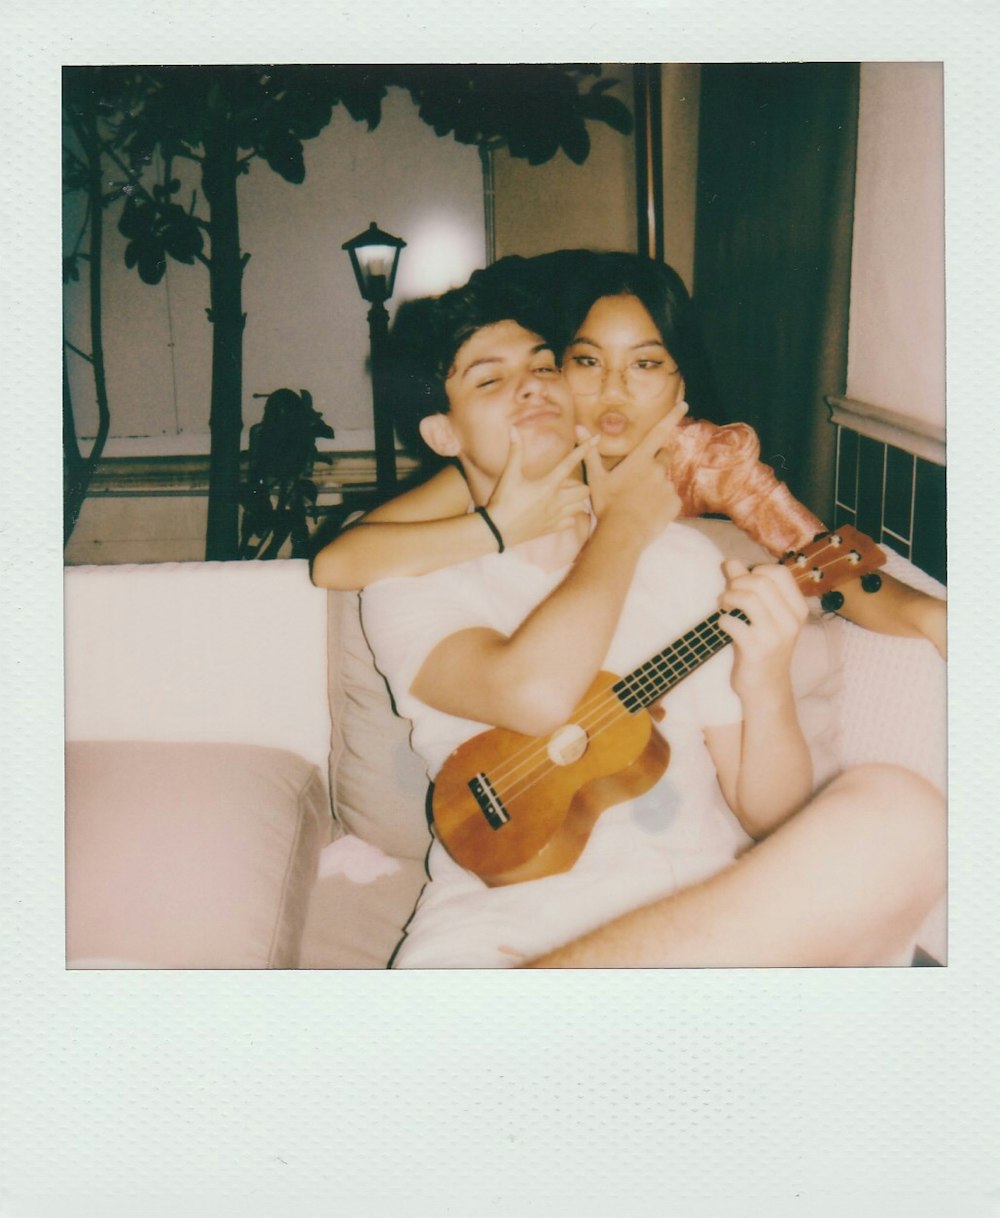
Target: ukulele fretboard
650 681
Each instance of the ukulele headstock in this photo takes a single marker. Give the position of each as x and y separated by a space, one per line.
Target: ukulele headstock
832 559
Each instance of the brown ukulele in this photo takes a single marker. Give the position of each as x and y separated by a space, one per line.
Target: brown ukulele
510 808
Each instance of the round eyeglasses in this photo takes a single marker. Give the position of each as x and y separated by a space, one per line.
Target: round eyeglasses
642 378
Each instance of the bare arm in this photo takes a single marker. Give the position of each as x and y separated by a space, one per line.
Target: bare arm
404 536
718 470
430 527
763 763
723 473
531 681
897 609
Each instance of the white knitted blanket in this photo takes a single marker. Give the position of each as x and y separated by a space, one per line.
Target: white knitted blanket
894 703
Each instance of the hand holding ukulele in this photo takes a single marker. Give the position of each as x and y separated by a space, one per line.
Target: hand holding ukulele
763 646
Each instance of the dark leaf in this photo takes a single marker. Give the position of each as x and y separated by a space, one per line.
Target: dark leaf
576 142
182 237
535 147
610 110
360 91
75 175
152 262
534 108
305 106
283 152
136 218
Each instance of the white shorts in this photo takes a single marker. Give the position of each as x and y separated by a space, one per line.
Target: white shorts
459 922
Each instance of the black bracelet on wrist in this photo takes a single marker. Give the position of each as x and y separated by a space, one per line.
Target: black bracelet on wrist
492 528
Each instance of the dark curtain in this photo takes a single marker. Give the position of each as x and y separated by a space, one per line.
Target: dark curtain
776 160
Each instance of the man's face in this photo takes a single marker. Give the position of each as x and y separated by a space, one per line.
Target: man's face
502 377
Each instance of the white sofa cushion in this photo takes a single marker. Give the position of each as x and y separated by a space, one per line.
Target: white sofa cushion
189 855
378 783
198 651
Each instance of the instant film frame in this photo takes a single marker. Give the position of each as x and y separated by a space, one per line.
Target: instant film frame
809 1093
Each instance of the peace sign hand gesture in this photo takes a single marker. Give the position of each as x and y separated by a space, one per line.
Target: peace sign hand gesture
640 489
523 508
656 447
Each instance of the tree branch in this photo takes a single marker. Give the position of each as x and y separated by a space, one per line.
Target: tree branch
83 229
77 351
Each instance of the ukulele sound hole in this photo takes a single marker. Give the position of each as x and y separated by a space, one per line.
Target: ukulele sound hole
567 745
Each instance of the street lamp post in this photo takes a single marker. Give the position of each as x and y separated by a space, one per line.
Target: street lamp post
375 257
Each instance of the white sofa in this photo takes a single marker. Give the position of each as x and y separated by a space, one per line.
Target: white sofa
212 708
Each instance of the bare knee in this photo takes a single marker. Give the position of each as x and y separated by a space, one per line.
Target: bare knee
891 788
901 811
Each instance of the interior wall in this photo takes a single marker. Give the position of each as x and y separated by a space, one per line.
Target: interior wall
896 351
306 322
560 205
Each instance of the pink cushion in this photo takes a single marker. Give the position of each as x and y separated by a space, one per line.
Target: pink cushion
189 855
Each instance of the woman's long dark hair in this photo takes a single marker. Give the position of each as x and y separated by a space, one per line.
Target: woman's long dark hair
550 294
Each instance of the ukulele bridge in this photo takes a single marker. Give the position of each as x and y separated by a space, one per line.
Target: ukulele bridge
490 804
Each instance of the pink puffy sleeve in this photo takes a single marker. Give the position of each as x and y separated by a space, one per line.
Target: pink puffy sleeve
718 469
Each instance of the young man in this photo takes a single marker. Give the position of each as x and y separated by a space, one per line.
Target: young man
515 639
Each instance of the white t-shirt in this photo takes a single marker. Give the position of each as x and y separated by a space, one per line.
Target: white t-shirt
676 834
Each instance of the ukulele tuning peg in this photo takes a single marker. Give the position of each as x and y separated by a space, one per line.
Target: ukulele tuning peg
831 602
871 582
820 536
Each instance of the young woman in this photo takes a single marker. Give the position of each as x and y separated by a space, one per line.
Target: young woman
625 330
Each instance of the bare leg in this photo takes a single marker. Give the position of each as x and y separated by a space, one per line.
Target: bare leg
848 880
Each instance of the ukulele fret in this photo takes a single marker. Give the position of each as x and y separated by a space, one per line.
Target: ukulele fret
657 676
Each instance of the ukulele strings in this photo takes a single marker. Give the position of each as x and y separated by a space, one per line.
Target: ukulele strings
607 709
533 757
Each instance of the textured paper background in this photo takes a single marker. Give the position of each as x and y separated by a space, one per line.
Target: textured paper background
757 1095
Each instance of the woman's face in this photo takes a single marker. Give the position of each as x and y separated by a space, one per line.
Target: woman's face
621 376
